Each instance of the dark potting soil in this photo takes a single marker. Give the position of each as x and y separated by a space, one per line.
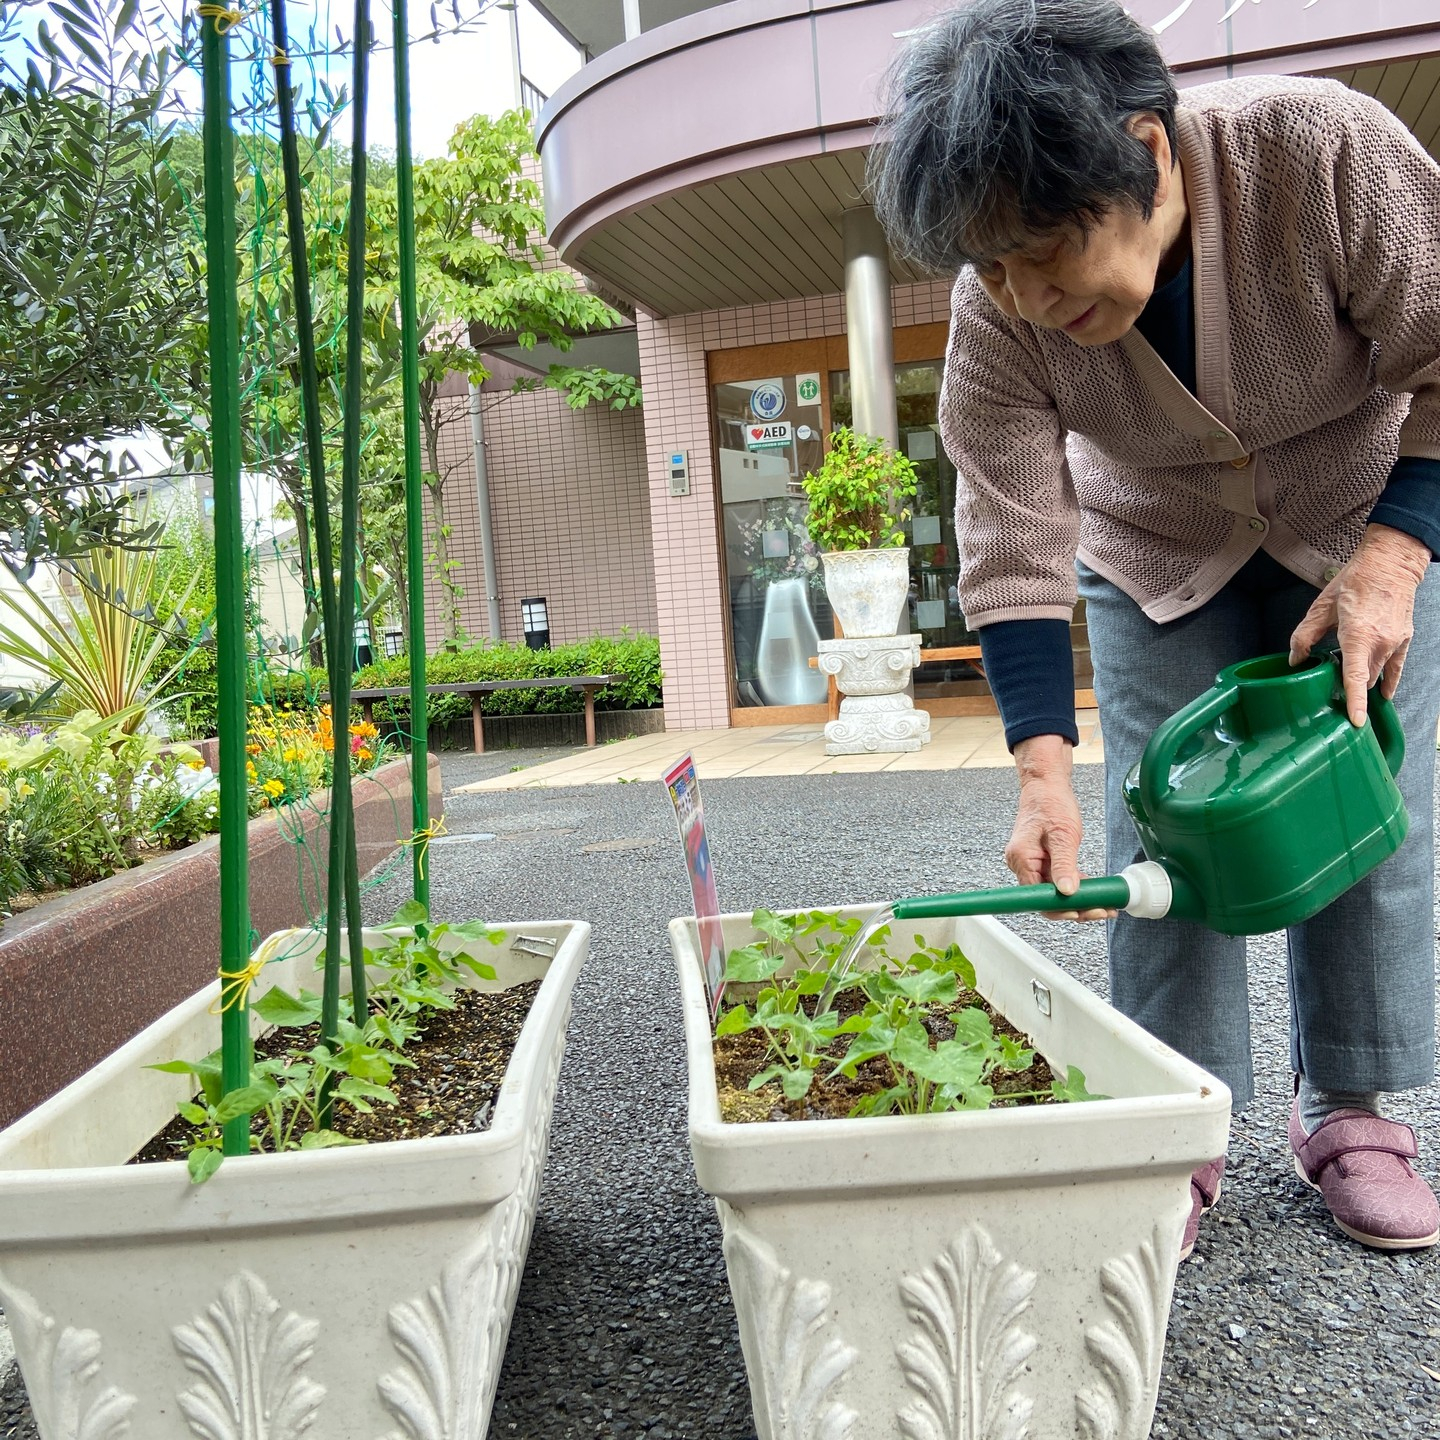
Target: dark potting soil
460 1057
739 1057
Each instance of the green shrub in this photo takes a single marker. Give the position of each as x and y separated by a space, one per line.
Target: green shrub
637 657
189 698
191 706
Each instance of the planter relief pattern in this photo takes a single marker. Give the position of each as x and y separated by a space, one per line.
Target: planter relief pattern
453 1338
65 1383
876 713
969 1348
790 1342
251 1362
1127 1350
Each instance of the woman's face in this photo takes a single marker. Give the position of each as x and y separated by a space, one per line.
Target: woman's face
1094 284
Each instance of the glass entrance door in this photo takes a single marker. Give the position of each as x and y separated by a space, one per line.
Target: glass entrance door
770 433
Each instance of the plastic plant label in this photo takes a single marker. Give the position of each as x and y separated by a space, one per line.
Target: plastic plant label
684 787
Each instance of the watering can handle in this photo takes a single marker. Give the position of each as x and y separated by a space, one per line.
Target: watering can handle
1386 724
1162 746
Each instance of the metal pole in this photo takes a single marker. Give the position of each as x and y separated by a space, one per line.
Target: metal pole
515 55
337 652
414 511
482 499
220 271
632 19
868 325
342 819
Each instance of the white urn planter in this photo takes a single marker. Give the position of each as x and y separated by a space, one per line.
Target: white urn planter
363 1293
969 1276
868 589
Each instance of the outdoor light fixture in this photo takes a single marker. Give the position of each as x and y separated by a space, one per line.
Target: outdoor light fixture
535 621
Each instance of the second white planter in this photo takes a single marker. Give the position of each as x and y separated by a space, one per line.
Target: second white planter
996 1275
352 1294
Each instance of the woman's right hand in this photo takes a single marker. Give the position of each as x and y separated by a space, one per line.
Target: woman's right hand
1045 843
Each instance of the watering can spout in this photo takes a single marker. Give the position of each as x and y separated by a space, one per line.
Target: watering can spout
1147 889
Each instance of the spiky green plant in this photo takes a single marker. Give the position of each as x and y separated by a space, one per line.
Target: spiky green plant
100 645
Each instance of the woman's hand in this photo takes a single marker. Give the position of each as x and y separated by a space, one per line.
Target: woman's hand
1045 843
1370 605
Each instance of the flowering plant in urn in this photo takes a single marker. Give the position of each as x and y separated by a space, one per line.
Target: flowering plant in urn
856 514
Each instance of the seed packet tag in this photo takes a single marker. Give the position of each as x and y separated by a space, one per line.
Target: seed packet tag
684 787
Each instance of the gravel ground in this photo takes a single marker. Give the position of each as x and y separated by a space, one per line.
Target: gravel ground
1281 1327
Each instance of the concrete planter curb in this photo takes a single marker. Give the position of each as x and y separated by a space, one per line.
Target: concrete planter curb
82 973
348 1294
987 1275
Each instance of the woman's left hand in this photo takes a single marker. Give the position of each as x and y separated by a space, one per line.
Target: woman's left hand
1370 605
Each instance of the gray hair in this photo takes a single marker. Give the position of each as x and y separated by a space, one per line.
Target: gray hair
1005 120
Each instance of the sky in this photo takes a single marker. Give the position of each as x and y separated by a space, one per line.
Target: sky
463 73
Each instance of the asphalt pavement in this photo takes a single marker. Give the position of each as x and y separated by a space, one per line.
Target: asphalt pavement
1281 1327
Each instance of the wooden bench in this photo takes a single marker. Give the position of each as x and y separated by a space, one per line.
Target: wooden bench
366 698
940 652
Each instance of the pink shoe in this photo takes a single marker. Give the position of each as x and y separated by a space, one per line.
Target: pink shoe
1361 1165
1204 1193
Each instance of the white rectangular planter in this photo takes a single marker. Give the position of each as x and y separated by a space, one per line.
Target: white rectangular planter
354 1294
990 1275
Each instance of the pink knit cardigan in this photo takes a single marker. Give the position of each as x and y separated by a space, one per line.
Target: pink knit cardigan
1315 222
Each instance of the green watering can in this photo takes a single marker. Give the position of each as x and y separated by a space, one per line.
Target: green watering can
1257 805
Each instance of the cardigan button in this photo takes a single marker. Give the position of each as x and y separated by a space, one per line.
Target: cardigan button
1257 523
1330 572
1240 461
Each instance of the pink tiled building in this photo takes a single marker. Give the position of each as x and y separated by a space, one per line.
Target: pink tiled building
705 168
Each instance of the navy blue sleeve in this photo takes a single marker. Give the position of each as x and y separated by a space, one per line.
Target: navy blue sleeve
1410 500
1032 676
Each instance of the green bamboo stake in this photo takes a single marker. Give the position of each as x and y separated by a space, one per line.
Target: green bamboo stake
223 312
335 654
414 514
341 800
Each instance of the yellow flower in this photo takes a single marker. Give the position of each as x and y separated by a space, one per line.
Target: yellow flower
253 749
365 754
274 787
291 755
24 789
251 771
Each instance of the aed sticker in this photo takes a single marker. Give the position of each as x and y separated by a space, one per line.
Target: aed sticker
767 400
768 437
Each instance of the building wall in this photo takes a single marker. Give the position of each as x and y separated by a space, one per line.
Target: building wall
691 602
569 508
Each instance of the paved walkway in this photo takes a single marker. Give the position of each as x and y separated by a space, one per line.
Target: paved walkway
958 743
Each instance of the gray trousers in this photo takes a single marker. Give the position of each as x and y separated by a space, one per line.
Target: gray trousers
1362 972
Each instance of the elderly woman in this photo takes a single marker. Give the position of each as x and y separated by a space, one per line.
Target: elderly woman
1194 360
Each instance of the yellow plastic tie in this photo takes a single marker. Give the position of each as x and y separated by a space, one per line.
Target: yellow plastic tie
235 984
422 838
278 59
224 17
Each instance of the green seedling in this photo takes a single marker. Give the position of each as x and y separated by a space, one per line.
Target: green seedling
798 959
414 974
